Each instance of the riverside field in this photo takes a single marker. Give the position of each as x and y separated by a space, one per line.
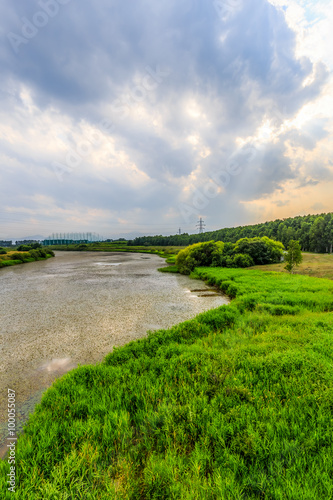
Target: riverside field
234 404
13 258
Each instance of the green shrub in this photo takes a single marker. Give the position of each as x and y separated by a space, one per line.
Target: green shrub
227 261
261 250
199 254
41 253
18 256
24 248
34 254
245 253
243 260
3 251
27 248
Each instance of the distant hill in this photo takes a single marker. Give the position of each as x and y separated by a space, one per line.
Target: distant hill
314 232
33 237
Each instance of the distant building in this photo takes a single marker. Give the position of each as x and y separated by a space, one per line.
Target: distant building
5 243
63 242
71 238
26 242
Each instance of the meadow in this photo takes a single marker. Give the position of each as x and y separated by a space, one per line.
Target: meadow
319 265
234 404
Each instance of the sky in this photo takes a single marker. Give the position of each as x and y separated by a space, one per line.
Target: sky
140 117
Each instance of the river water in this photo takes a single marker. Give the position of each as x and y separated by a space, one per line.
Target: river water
74 308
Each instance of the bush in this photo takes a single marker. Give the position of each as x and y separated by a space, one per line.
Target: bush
34 254
42 253
18 256
199 254
243 260
2 251
27 248
246 252
261 250
36 245
227 261
24 248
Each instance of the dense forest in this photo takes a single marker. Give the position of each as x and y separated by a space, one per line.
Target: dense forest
314 232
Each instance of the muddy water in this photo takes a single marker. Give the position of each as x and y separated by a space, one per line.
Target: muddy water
73 309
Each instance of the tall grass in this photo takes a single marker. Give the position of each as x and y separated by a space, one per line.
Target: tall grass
234 404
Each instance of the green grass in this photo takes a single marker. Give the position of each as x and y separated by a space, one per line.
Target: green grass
234 404
169 269
6 263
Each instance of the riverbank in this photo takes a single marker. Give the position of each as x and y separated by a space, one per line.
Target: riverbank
235 403
15 257
75 308
163 251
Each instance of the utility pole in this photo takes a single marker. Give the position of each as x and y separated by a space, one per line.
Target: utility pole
201 225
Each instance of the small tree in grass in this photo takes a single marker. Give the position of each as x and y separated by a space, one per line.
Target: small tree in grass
293 256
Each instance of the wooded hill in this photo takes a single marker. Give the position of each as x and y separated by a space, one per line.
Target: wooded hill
314 232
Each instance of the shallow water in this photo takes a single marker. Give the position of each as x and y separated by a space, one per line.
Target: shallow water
73 309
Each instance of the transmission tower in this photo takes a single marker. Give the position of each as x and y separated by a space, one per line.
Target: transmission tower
201 225
180 230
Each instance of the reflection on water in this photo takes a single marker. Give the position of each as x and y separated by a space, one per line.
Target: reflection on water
58 365
107 264
74 308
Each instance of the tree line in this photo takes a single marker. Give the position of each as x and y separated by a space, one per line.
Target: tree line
314 233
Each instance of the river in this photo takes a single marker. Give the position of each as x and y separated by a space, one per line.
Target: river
74 308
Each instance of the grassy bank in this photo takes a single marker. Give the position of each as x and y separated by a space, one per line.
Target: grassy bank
163 251
234 404
317 265
15 257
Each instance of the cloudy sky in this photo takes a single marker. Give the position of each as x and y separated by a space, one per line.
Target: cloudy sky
141 116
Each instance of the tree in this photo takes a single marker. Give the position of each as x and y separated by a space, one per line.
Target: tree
317 240
293 256
261 250
314 232
199 254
